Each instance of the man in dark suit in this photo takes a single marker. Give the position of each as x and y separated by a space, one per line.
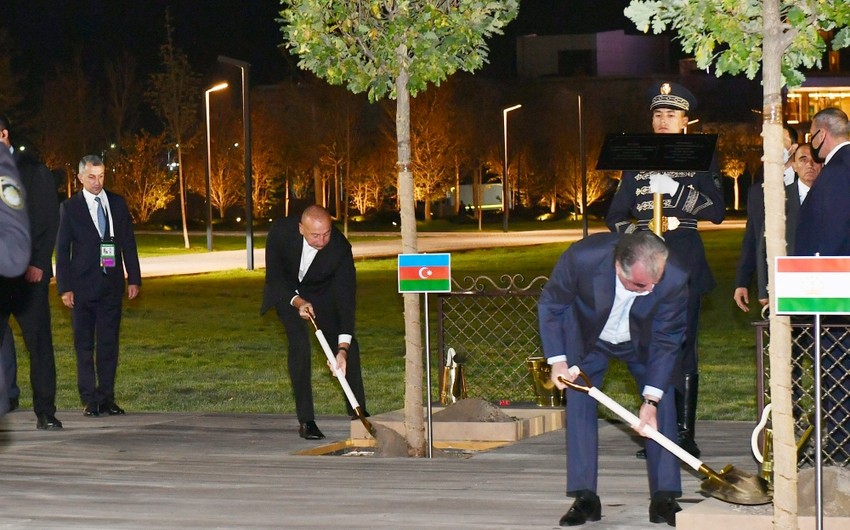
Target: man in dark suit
94 245
688 197
310 273
27 297
616 297
753 259
14 240
823 228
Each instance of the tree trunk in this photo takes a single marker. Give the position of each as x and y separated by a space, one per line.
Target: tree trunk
784 443
414 418
182 195
427 206
737 190
318 186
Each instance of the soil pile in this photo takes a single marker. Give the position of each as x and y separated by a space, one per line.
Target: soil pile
472 409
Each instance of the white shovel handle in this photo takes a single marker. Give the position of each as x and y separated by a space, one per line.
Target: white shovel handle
634 421
336 371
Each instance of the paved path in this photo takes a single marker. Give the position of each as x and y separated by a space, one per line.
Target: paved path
155 470
384 245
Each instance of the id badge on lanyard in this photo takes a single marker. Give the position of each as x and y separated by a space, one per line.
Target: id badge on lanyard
107 253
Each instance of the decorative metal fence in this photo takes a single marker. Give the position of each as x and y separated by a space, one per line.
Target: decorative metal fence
492 326
835 378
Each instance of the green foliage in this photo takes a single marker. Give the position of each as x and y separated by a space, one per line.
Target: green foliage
730 33
365 45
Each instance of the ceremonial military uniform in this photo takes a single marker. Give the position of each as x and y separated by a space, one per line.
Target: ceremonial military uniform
698 196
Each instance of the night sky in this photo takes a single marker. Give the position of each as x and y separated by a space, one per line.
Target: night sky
50 32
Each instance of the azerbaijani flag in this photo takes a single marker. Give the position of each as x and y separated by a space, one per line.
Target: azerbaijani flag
424 273
812 285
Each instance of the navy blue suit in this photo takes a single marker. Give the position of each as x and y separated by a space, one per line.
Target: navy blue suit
330 286
573 309
96 316
823 226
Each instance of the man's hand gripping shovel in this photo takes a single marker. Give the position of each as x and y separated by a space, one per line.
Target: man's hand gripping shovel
342 381
730 484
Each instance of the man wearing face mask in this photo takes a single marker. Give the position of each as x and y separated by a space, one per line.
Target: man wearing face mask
823 228
688 197
824 223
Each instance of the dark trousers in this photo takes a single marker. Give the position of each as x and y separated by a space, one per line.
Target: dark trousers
582 426
96 326
29 304
690 356
9 362
299 334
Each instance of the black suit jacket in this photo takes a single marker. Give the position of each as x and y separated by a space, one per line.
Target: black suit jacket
43 208
330 282
577 300
823 225
78 249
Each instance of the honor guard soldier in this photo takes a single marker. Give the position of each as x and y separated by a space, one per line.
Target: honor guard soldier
687 197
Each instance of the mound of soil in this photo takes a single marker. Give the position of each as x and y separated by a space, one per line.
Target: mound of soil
472 409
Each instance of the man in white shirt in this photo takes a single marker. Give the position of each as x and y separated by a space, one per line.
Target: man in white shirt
616 297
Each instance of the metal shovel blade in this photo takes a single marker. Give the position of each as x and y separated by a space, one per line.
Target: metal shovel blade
343 382
730 485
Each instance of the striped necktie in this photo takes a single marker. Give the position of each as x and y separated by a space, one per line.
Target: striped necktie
101 217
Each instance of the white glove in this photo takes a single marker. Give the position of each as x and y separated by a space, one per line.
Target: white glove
663 183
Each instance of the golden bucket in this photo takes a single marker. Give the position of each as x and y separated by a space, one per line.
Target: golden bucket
546 392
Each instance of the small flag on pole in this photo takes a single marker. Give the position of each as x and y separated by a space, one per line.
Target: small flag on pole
424 273
812 285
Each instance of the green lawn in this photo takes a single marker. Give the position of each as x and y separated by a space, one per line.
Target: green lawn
198 343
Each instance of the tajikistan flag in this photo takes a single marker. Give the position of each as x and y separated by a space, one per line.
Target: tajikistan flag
812 285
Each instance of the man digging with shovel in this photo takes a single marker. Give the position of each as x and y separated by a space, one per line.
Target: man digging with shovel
616 297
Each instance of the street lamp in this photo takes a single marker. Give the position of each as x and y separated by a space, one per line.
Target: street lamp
246 129
505 202
216 88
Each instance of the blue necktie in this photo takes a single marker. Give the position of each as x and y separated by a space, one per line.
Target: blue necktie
101 217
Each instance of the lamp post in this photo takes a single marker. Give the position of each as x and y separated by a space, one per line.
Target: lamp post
216 88
505 201
246 141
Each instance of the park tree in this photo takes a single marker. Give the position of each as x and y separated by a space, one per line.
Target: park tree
395 50
123 96
778 38
173 94
138 175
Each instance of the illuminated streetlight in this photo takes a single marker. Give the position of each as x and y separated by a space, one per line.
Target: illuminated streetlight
505 202
245 68
216 88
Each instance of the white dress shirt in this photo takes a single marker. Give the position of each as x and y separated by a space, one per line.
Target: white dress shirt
92 206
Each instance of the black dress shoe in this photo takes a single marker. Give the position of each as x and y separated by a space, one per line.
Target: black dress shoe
14 403
663 509
47 422
310 431
112 409
586 507
641 454
92 410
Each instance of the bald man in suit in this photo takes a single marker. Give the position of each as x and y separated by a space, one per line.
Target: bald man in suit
310 273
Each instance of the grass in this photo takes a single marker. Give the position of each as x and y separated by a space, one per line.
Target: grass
198 343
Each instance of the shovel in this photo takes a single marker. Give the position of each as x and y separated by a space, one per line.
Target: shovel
730 484
342 381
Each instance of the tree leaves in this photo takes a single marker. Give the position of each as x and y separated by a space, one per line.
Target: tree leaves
727 34
355 43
